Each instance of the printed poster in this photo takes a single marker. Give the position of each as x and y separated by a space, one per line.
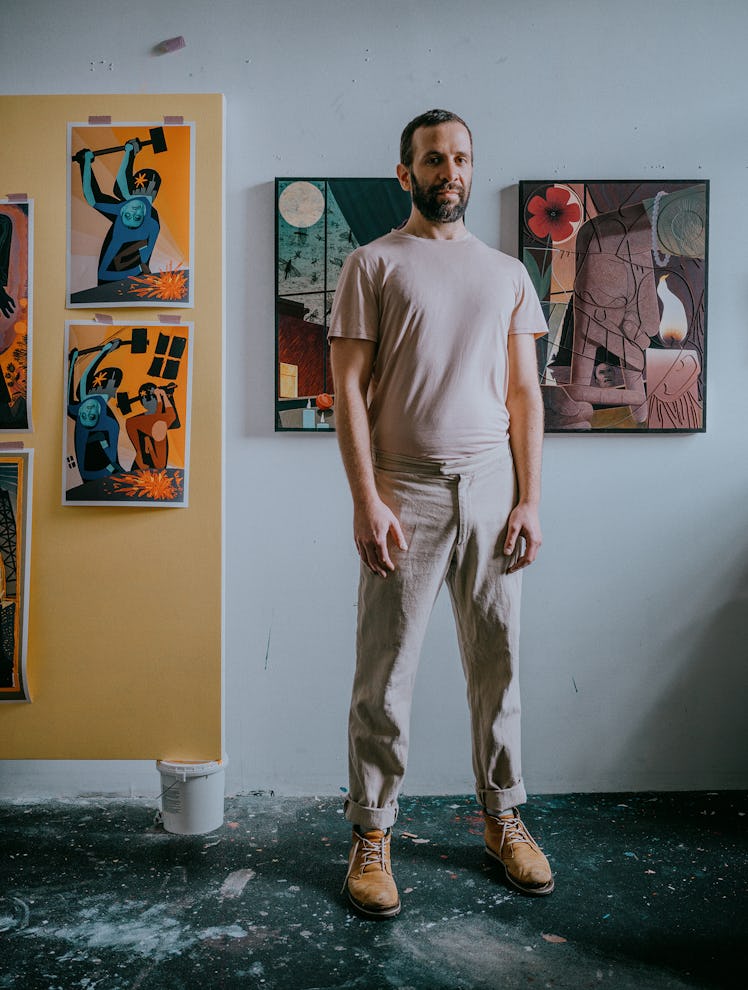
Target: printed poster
15 550
16 306
126 414
130 216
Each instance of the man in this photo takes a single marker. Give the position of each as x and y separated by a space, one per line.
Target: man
438 404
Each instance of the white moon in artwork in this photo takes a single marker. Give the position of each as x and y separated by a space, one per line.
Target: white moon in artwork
301 204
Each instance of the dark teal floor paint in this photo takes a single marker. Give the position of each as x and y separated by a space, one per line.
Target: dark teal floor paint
650 895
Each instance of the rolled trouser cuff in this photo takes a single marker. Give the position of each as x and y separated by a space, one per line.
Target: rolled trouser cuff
496 802
370 818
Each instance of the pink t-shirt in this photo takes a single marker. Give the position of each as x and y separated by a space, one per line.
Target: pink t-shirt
440 312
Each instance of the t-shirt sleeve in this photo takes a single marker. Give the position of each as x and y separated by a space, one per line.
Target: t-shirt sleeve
528 314
355 308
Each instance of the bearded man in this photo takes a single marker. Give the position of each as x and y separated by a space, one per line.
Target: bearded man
440 424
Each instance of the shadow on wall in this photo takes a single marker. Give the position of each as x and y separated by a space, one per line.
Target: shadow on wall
696 717
252 350
508 230
647 690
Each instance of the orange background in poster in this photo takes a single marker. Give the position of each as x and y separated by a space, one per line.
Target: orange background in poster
124 650
172 201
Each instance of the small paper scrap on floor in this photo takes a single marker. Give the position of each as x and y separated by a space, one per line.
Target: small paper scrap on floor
553 938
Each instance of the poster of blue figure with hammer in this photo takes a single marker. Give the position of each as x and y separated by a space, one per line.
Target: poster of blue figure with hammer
127 414
130 217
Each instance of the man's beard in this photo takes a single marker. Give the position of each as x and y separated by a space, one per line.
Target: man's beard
426 201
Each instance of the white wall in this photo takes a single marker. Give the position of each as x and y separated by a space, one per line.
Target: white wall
636 615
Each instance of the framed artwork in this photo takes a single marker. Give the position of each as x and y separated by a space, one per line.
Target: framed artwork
318 223
126 414
15 552
621 271
16 309
130 215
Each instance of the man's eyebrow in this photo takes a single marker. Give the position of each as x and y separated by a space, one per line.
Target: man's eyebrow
437 151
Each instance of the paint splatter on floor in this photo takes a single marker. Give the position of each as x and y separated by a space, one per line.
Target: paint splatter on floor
235 882
96 897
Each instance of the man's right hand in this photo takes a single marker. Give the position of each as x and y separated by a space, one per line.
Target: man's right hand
373 524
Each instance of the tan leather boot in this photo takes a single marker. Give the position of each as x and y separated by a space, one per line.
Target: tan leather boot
371 886
525 866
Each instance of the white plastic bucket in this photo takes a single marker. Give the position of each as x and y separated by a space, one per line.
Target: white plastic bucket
192 796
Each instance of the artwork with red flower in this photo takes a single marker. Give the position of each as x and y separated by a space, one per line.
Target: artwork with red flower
621 271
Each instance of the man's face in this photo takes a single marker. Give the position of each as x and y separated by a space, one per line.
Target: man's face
442 172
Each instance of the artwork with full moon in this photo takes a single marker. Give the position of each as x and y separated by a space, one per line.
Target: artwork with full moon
318 223
621 271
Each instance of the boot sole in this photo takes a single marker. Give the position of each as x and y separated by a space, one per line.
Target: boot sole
540 891
390 912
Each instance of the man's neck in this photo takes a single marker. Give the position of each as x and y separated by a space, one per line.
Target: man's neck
419 226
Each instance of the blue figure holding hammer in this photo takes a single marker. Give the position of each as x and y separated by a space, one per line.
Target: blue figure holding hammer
129 243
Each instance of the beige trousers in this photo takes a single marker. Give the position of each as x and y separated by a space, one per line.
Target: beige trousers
454 518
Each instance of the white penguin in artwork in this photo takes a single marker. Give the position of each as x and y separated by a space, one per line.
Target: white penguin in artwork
674 322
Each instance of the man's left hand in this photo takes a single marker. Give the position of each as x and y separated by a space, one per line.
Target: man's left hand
524 524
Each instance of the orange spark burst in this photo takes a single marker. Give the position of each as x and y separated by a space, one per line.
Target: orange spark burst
99 379
140 180
170 284
155 485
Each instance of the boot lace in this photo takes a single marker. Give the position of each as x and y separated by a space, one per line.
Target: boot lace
373 854
514 831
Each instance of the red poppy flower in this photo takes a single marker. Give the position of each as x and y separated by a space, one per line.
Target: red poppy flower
553 216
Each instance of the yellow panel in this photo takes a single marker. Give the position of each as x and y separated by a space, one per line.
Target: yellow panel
289 381
124 651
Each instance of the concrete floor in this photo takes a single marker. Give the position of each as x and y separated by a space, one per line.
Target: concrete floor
650 893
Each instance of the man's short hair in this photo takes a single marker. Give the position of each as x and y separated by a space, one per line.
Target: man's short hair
432 118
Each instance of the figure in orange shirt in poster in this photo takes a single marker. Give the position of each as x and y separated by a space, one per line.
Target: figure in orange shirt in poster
148 431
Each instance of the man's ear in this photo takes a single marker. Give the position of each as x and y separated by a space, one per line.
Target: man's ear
403 175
